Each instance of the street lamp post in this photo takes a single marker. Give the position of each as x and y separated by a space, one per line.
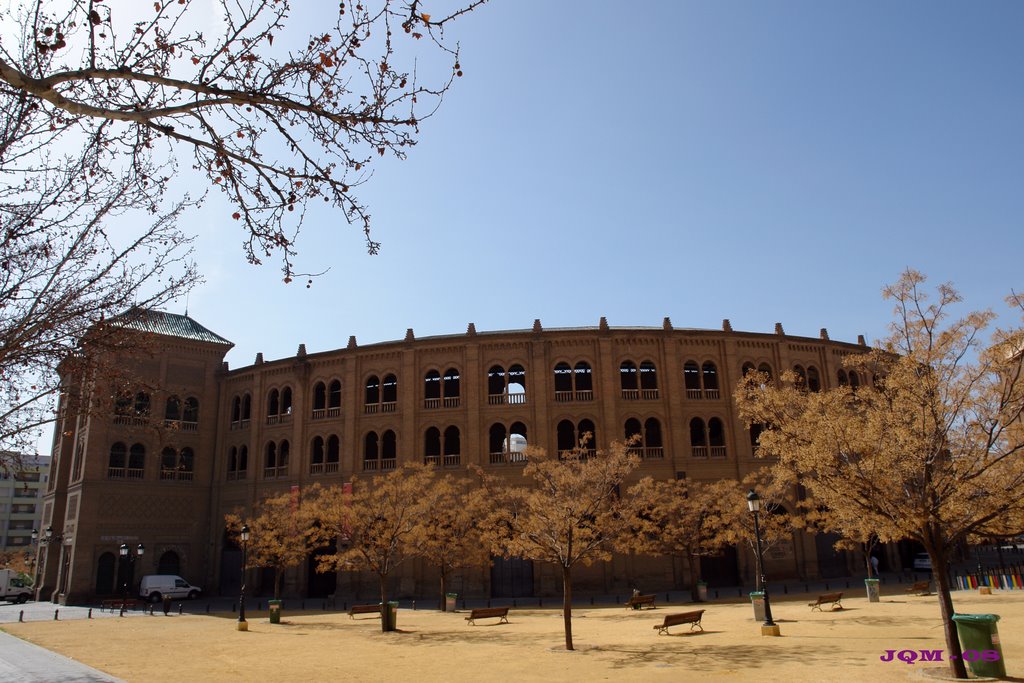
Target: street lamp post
128 560
243 625
754 504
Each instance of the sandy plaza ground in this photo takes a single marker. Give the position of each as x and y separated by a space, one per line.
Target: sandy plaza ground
613 643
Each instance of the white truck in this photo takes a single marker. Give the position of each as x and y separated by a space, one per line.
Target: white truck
15 586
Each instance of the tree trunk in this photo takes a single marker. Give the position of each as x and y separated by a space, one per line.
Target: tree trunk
694 565
444 582
956 659
278 576
383 600
567 605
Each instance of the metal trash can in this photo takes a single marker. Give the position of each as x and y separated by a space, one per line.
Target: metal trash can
872 588
979 639
757 600
275 611
449 601
389 616
702 591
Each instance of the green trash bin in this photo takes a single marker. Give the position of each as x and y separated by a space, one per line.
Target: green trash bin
389 616
979 639
275 611
757 600
871 586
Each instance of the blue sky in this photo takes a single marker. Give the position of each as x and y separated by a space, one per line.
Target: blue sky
757 161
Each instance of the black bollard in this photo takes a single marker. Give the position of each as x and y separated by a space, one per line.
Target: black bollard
540 602
56 615
179 607
847 583
90 613
716 594
21 615
785 589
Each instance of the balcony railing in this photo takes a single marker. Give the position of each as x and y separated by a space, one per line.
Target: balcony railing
512 458
700 451
275 472
693 393
654 453
334 412
371 408
712 394
330 468
649 394
451 401
316 468
389 407
431 403
630 394
319 413
452 460
236 475
373 465
179 475
718 451
506 399
567 396
432 460
240 424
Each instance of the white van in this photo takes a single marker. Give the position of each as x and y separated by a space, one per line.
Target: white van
155 586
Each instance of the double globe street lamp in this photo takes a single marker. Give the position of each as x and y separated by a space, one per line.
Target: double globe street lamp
128 562
770 628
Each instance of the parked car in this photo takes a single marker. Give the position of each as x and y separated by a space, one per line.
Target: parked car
923 562
155 586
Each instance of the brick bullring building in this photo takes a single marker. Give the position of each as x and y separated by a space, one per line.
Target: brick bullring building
163 462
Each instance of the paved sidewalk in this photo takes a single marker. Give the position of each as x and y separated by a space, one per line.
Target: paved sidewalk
23 662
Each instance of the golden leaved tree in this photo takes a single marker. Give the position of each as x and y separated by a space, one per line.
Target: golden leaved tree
450 537
681 517
930 450
379 523
571 513
284 531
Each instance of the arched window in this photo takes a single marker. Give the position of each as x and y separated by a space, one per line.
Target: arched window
451 388
232 463
654 448
236 410
388 450
648 380
246 408
842 377
747 368
381 396
371 452
186 464
563 382
270 461
691 378
628 380
123 409
279 406
584 379
319 400
506 387
709 375
372 399
238 463
389 394
334 398
243 461
579 436
432 446
432 389
190 415
142 405
116 462
507 445
452 447
716 437
854 380
172 412
766 369
813 378
316 456
136 461
273 404
168 463
698 438
801 377
333 454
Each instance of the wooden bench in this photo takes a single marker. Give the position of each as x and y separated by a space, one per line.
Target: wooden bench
638 601
921 588
691 618
826 598
130 603
363 609
488 613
